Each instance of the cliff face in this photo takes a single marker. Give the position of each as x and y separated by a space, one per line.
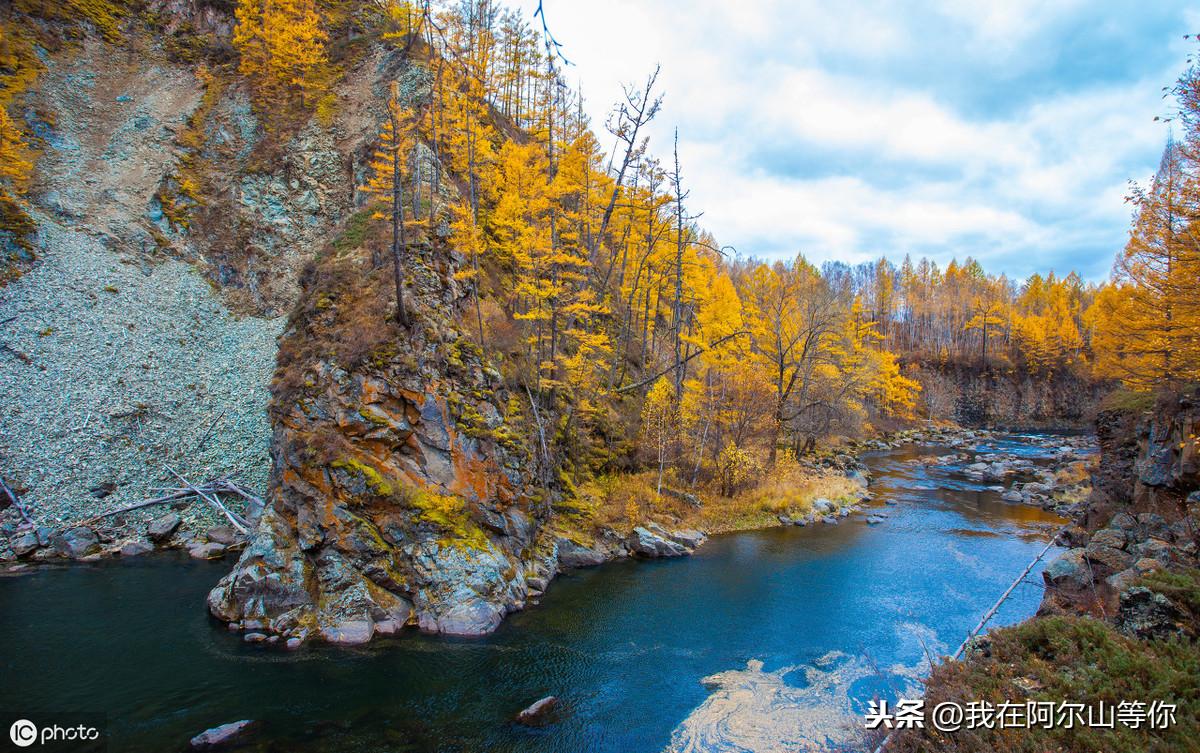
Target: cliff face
1144 511
399 494
974 397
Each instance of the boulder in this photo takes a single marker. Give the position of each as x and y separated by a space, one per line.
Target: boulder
224 736
1110 559
474 617
1155 549
822 506
686 497
1012 495
539 713
348 633
874 520
829 520
25 544
683 536
1123 521
1068 570
1154 525
209 551
134 548
645 543
1146 565
1146 614
163 527
571 554
76 542
221 535
1112 537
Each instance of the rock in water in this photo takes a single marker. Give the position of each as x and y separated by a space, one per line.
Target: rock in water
410 519
538 714
571 554
224 736
163 527
646 543
209 551
134 548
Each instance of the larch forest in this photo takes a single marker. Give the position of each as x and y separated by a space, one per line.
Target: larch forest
352 306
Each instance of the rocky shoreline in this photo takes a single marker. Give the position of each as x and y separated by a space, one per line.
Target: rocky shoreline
557 553
1119 617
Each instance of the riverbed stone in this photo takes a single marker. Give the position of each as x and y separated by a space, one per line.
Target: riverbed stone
134 548
209 551
223 736
25 544
1011 495
76 542
163 527
221 535
538 713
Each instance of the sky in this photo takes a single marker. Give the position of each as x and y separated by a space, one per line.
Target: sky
1005 131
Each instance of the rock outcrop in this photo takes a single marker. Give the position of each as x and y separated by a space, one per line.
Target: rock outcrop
1138 519
398 498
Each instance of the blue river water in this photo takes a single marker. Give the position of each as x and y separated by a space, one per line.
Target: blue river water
771 640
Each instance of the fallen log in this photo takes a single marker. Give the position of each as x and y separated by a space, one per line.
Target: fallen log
206 491
237 521
7 493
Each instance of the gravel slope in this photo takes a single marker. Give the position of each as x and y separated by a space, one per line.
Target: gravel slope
114 366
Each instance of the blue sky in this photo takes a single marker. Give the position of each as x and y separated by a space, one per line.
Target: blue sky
1006 131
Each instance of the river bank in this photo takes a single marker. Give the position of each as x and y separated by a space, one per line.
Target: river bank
642 655
1120 615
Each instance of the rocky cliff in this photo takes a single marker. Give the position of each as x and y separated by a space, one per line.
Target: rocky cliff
1006 398
399 492
1144 511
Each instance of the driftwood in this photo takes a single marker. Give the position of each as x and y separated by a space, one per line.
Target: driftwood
7 493
207 491
238 521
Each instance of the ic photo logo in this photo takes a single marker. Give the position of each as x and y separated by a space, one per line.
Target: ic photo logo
23 733
70 732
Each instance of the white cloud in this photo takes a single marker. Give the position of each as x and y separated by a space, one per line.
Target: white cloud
889 155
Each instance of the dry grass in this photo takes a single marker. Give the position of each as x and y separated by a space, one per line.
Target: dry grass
621 501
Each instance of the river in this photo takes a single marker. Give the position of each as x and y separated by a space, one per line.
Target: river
767 640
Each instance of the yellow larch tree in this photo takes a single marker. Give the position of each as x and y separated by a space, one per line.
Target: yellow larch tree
282 48
386 184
